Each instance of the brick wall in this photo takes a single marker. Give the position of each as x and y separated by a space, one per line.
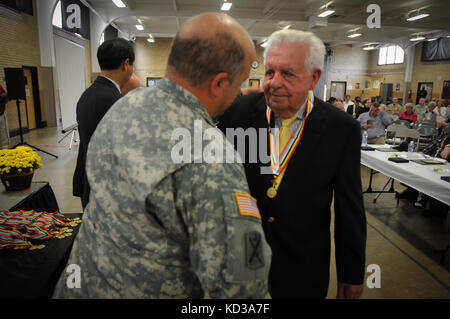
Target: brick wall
19 46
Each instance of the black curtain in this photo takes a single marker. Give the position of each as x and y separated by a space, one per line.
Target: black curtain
437 50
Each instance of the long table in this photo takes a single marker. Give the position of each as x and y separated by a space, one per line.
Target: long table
33 274
39 197
420 177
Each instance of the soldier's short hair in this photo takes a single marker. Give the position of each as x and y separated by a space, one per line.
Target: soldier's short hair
196 59
112 53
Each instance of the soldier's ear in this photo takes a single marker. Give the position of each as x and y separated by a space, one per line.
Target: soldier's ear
218 84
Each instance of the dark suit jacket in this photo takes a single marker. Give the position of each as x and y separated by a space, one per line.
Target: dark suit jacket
91 107
327 160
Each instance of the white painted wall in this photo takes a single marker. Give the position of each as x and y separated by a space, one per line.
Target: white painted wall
98 25
44 16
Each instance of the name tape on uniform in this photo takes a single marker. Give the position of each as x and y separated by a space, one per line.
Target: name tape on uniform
247 205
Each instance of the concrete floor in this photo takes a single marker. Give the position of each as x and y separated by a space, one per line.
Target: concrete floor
399 239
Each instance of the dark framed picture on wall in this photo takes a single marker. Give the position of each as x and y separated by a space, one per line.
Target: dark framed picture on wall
152 81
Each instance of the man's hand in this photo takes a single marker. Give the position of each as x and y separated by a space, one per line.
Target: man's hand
347 291
446 153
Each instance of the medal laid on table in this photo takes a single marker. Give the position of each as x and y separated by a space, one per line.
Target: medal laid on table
279 160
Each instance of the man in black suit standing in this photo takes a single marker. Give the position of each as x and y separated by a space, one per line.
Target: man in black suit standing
318 155
116 59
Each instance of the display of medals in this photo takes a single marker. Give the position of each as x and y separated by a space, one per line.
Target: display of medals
29 229
279 162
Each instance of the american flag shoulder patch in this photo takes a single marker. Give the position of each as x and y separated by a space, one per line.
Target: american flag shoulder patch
247 205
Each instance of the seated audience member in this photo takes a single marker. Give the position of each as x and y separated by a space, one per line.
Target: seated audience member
381 102
440 147
382 108
440 111
408 114
339 105
351 109
429 114
348 102
332 100
375 123
421 107
440 108
394 107
364 108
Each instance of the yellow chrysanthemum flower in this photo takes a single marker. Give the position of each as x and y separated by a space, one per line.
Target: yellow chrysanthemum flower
19 160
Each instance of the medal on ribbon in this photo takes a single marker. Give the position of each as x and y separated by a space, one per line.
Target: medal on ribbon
280 158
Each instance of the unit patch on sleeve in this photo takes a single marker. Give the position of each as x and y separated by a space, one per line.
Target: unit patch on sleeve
253 250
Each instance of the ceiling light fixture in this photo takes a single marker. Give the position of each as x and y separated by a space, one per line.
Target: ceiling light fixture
226 6
139 27
369 47
433 39
417 16
325 13
354 35
119 3
417 38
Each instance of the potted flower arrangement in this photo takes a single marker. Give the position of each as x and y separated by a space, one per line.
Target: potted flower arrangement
17 167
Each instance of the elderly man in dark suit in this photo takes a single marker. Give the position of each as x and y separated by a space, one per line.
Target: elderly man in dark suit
320 156
116 59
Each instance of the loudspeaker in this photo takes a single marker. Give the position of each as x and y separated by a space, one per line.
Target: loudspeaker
15 83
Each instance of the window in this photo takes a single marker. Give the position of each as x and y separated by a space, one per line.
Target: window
391 55
57 18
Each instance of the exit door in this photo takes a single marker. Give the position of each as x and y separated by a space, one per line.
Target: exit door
424 89
35 114
338 89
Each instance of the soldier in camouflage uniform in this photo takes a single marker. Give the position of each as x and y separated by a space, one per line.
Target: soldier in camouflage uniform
155 228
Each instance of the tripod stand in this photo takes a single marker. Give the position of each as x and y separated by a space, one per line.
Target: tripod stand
68 131
21 134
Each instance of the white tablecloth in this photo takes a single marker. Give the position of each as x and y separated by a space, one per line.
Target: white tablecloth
420 177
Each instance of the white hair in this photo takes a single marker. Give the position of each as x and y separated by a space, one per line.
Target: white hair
316 54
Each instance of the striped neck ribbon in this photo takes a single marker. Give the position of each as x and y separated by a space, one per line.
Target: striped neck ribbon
279 163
